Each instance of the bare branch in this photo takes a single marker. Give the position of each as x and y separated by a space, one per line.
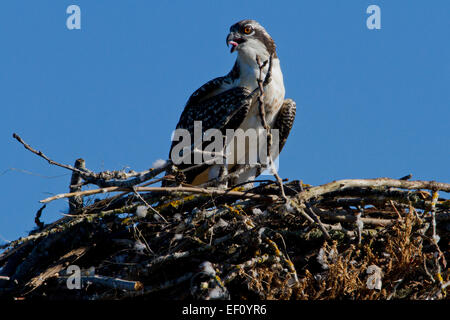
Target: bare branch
262 114
113 283
316 192
85 173
212 192
105 178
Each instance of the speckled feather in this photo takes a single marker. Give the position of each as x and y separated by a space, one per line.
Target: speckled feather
229 110
285 121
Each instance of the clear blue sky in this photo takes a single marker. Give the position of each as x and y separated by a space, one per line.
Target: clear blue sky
370 103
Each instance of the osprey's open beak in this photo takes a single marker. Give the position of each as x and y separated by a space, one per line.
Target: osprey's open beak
234 40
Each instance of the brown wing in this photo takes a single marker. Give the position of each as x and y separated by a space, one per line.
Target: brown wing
223 111
285 120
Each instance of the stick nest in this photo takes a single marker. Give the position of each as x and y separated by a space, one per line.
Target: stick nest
350 239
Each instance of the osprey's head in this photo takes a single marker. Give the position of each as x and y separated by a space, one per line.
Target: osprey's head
248 36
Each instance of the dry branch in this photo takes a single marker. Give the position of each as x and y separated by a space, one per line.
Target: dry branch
102 179
85 173
262 114
256 248
316 192
212 192
112 283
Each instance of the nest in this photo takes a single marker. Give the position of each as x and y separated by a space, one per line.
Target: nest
350 239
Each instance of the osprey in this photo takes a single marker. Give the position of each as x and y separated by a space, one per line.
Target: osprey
229 102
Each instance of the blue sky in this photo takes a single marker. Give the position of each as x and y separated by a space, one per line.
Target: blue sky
370 103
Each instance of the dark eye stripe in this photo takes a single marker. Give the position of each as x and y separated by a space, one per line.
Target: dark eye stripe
257 32
247 27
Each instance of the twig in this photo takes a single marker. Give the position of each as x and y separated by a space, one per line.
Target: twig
109 282
359 225
434 198
378 197
281 255
69 222
262 115
325 232
394 290
395 209
37 220
137 178
148 206
212 192
317 192
343 217
122 179
85 173
235 269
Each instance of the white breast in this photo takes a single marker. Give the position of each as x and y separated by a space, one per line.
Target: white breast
273 100
273 92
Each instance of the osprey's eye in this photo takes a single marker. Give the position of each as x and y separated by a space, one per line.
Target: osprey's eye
248 29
